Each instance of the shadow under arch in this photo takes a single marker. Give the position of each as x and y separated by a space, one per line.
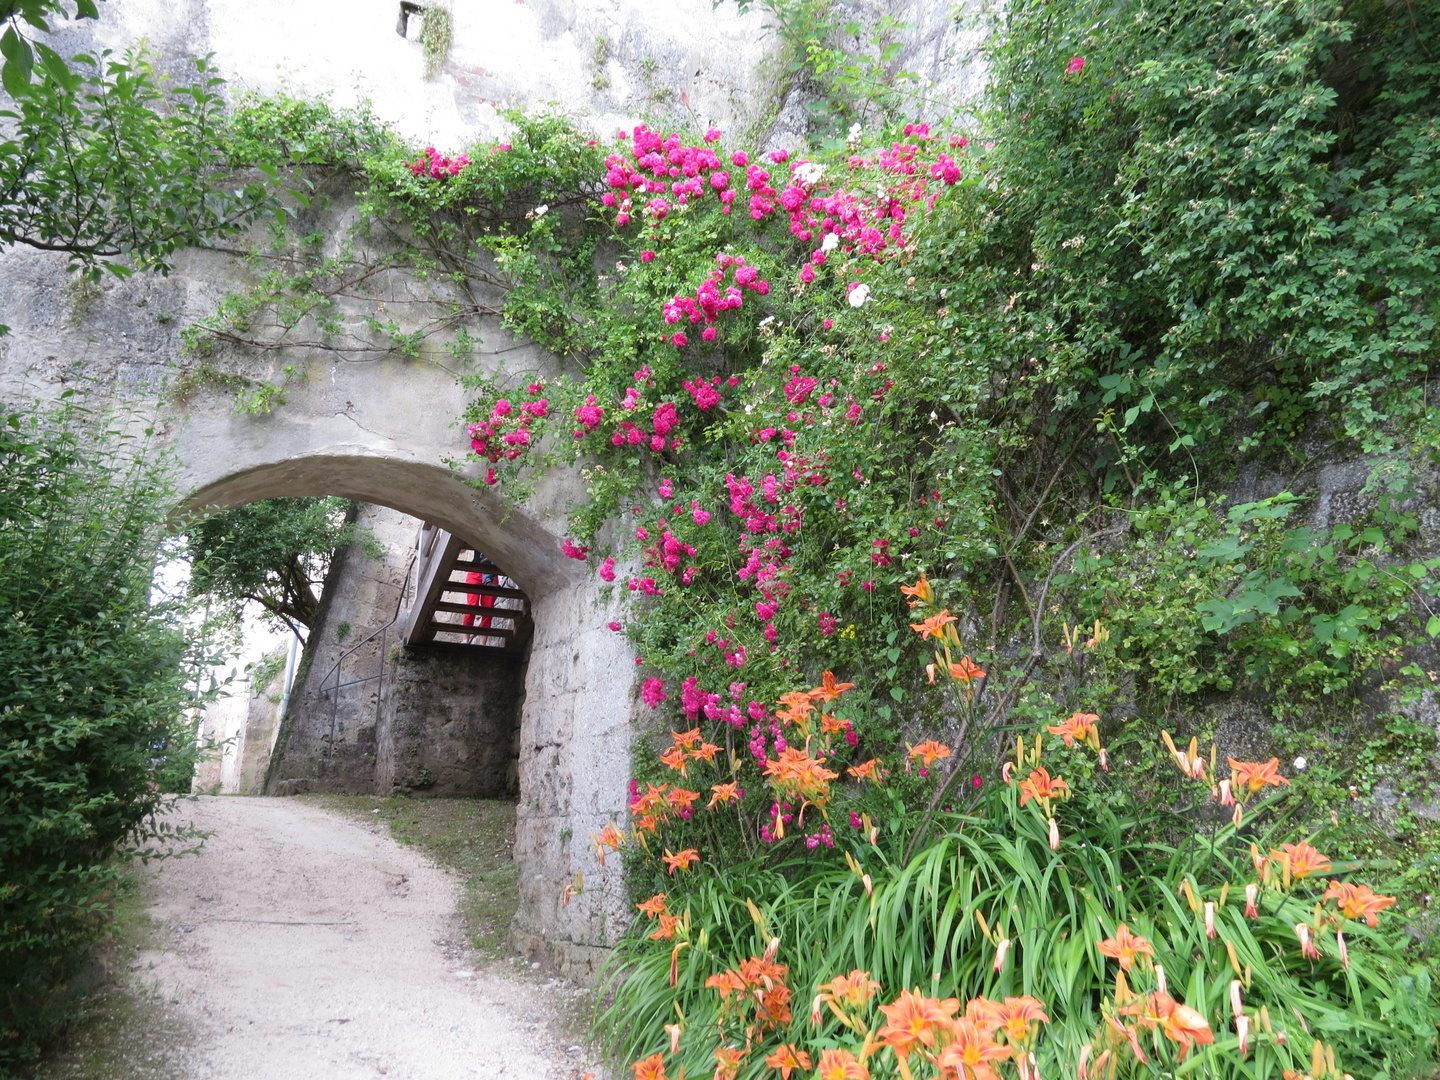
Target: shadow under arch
526 550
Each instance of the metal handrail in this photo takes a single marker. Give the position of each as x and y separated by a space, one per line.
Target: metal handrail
382 634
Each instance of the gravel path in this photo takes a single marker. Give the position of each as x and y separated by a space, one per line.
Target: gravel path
301 943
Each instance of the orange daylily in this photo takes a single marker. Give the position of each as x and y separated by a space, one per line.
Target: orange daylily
681 861
1252 776
647 802
652 1068
1358 901
920 591
832 725
725 982
786 1059
934 626
1013 1016
675 759
668 923
796 772
971 1052
1078 728
913 1019
723 793
851 991
929 752
1303 859
654 906
866 770
610 837
829 689
1180 1023
840 1065
647 823
704 752
966 671
797 706
686 739
1040 785
1125 946
728 1060
682 798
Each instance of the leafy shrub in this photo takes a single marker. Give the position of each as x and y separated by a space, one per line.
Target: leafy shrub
95 681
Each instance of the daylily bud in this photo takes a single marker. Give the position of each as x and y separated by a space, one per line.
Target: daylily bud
1080 1073
1340 947
673 1030
929 670
1307 945
1005 771
1242 1028
1000 951
1104 762
815 1009
1227 797
869 885
1237 1007
1280 1039
772 949
1238 816
1054 835
1210 918
1252 894
1160 980
1100 1063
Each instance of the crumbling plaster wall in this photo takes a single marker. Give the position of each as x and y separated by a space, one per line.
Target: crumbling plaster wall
604 62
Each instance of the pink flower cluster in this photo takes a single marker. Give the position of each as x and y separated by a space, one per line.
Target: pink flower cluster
673 169
707 303
653 692
507 432
436 165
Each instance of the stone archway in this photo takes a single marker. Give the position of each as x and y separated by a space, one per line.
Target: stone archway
351 436
381 431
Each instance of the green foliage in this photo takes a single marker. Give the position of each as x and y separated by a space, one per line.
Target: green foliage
95 686
104 163
1229 213
1195 598
16 48
1136 848
274 553
437 30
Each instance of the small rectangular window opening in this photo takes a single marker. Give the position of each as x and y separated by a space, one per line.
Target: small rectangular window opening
402 25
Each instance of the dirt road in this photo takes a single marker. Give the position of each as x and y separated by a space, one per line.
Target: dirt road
303 944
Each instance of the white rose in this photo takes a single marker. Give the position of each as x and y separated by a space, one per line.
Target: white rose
859 295
542 208
831 242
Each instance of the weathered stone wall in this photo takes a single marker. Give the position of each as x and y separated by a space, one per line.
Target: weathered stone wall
604 62
238 731
329 741
450 724
431 721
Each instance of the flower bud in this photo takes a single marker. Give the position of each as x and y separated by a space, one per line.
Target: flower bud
1000 951
1210 919
1054 835
1252 894
1242 1028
